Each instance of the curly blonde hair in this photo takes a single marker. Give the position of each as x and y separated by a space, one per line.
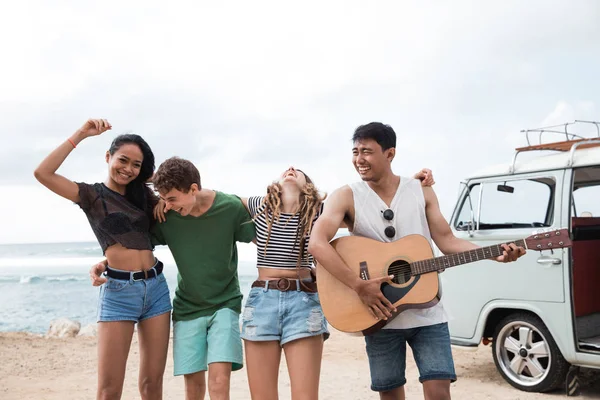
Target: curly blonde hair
310 203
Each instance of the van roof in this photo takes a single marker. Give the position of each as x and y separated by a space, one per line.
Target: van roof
582 157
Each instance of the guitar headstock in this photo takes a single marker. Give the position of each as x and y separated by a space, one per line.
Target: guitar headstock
548 240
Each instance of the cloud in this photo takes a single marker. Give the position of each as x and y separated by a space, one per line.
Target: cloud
245 90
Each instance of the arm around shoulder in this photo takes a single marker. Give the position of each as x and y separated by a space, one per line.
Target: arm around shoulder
245 230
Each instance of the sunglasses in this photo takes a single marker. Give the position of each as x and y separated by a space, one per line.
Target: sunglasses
389 231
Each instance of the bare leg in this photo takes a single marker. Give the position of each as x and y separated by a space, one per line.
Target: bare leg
219 375
195 386
262 366
303 357
394 394
114 340
153 334
437 389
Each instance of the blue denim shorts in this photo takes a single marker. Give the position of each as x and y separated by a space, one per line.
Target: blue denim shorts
129 300
270 314
387 355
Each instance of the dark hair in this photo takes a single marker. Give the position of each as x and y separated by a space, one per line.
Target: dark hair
176 173
137 191
383 134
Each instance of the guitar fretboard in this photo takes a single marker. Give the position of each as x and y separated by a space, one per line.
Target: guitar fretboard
452 260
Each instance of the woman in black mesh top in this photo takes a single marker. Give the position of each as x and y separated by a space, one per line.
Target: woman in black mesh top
120 213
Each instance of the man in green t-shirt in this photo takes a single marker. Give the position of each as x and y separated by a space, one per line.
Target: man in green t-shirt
201 229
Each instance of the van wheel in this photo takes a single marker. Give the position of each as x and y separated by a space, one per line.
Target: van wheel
526 355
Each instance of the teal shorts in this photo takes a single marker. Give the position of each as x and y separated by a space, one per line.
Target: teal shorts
206 340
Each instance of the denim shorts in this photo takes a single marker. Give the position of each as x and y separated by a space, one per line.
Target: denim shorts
270 314
387 355
206 340
129 300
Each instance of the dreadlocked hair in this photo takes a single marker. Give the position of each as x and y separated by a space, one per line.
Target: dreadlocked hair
310 204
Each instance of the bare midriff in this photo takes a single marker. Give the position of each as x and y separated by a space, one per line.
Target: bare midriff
265 273
125 259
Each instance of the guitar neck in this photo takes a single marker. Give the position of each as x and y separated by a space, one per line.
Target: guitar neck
466 257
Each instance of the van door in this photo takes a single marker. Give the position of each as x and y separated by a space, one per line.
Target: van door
496 210
585 273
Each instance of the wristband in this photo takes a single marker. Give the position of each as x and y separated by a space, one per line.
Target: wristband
72 142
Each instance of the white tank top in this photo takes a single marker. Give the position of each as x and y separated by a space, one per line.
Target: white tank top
408 205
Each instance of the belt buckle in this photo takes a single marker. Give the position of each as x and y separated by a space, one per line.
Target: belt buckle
283 284
144 277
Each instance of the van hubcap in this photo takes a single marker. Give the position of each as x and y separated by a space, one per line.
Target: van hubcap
523 353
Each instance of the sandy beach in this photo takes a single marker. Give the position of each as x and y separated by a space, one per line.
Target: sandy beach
35 367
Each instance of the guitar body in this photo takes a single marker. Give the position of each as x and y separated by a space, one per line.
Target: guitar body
368 259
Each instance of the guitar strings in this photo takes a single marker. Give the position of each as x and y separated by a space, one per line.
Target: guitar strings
404 268
400 271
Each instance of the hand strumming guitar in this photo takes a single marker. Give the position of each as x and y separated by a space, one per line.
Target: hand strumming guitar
370 294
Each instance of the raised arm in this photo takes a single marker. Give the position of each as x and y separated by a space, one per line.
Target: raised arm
46 174
336 209
444 238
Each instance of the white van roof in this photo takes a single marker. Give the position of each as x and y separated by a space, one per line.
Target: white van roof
543 162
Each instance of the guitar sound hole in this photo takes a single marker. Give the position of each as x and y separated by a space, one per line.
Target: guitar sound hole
401 271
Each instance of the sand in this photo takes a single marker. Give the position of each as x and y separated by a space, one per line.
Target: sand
35 367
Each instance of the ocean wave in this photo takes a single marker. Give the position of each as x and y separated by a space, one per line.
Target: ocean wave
27 279
66 278
65 249
34 279
49 262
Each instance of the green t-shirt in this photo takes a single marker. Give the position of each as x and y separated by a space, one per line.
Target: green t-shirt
205 251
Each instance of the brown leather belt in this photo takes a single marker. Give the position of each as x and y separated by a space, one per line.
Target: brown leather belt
285 284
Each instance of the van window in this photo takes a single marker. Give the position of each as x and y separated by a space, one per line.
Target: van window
586 192
510 205
585 201
466 217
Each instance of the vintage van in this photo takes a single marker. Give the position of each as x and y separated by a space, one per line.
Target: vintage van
540 314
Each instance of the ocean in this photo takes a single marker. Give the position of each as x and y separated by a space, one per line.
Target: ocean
44 281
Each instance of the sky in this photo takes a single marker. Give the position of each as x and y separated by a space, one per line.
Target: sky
246 89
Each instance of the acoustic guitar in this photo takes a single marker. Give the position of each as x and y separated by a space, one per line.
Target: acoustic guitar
415 282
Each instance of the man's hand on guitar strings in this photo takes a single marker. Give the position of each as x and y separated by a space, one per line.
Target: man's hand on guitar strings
370 293
511 253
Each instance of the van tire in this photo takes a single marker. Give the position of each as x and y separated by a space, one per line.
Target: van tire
513 337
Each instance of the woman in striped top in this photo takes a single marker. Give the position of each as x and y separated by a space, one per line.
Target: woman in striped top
283 308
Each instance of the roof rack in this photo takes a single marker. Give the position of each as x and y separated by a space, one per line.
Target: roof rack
572 142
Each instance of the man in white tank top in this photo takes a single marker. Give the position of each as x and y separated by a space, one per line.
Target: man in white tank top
387 207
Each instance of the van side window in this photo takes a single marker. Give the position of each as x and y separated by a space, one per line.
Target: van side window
510 205
586 202
586 192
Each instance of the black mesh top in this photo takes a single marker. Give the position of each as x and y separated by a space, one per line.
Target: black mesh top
113 218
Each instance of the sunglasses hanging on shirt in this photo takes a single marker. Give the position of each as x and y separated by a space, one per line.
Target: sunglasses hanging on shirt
389 231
